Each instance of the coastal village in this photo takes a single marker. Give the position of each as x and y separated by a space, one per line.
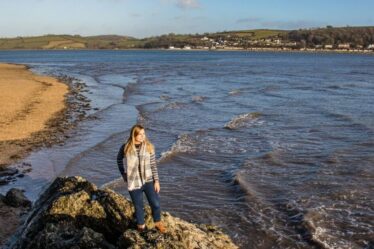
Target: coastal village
235 43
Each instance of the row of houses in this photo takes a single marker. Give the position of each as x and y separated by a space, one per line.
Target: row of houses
345 46
220 43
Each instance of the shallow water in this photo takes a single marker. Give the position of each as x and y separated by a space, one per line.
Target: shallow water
275 148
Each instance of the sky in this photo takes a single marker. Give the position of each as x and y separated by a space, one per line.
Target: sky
145 18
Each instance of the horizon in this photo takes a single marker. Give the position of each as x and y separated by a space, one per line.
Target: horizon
97 35
153 18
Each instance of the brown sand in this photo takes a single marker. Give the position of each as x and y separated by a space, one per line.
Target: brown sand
27 101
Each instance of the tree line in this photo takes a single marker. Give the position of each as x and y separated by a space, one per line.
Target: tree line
355 36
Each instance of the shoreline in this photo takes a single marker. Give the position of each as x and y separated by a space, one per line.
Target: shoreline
308 51
55 128
39 128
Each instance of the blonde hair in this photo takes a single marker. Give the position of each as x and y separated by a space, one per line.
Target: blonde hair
130 144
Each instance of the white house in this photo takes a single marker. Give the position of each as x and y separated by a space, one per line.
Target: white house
291 44
344 46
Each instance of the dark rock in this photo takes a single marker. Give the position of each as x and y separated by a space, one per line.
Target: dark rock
4 181
66 235
15 198
74 213
26 164
7 179
8 172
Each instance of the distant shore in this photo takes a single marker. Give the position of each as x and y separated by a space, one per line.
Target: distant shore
260 49
317 51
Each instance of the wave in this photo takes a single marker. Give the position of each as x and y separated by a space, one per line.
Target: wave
286 222
178 105
118 182
355 72
239 91
154 80
245 186
198 99
211 142
347 120
235 92
242 120
184 144
266 216
272 158
331 220
165 97
323 231
130 88
173 106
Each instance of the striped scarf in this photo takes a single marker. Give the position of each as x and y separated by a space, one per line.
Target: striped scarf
138 168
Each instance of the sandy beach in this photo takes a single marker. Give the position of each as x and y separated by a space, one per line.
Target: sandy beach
27 102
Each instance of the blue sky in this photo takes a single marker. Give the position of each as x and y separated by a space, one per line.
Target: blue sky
143 18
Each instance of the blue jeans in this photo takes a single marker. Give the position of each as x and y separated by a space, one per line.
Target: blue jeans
153 200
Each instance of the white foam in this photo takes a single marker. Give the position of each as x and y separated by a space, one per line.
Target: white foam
118 182
182 145
242 120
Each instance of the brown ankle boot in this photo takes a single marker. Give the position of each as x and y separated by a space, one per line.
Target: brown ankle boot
160 227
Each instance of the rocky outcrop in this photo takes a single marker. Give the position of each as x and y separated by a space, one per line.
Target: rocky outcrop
74 213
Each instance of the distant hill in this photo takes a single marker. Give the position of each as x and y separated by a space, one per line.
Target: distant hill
331 37
68 42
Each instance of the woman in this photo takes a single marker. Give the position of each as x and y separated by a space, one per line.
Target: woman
141 175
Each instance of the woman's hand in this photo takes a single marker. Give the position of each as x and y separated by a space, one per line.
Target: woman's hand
157 186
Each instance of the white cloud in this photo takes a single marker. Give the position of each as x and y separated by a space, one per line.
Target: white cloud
188 4
183 4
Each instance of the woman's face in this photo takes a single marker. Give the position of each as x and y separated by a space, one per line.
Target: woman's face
140 137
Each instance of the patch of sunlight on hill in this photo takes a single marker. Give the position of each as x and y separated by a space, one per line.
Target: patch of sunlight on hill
64 44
